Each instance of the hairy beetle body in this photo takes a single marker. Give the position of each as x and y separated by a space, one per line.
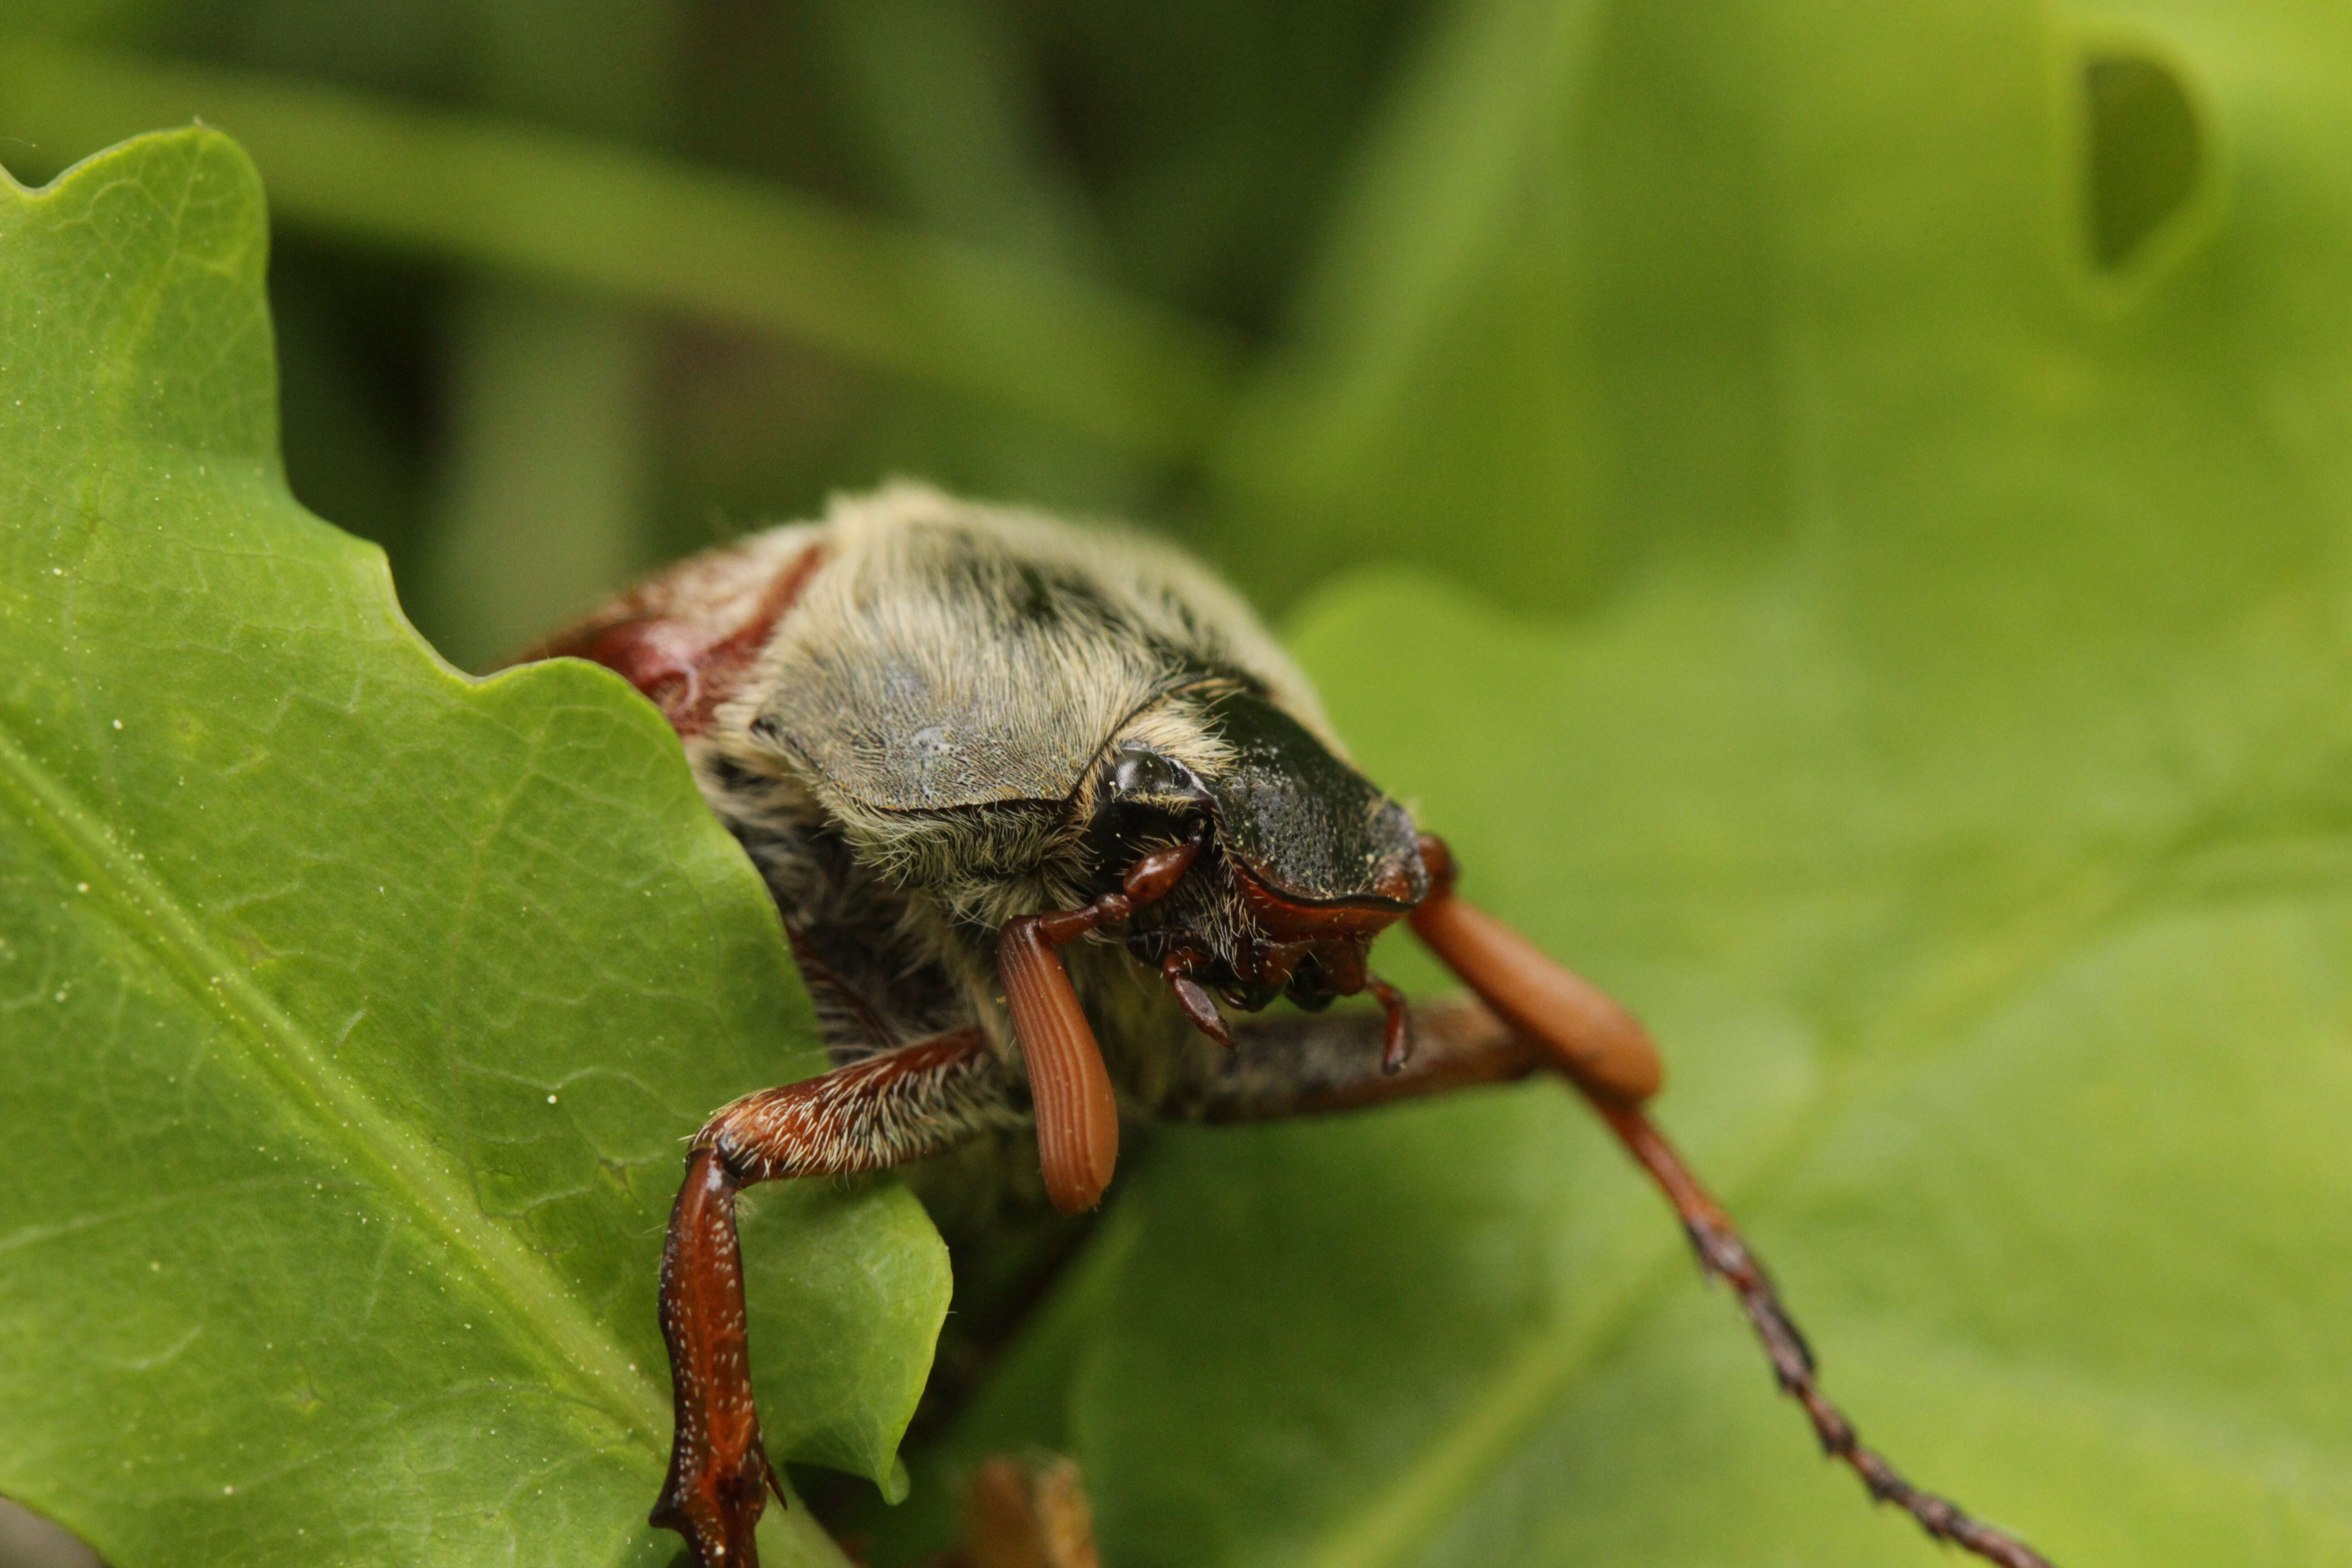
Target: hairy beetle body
914 716
1033 801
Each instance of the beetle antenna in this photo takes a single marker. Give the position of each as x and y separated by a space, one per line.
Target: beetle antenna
1077 1112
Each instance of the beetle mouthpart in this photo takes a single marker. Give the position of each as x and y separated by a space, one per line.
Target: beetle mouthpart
1191 996
1397 1038
1078 1116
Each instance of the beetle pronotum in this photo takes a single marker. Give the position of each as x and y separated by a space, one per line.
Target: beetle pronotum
1034 802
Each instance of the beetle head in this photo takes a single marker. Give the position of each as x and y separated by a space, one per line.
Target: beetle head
1303 861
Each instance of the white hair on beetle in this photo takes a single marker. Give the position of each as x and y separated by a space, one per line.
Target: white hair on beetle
952 662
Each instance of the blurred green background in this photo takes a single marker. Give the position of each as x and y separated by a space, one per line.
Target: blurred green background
565 288
562 289
1026 250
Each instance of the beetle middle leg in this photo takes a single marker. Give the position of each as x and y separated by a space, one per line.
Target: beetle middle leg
1307 1064
870 1115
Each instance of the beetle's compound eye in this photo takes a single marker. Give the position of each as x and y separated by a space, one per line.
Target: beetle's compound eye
1147 798
1140 774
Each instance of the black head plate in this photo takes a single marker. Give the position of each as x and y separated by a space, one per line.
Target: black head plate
1307 828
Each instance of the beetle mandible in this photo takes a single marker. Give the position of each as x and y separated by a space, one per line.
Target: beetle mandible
1050 817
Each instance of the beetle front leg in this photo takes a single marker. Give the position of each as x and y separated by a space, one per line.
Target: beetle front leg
1604 1050
719 1474
1586 1033
868 1116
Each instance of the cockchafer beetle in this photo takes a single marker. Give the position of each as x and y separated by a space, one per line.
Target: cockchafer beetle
1050 817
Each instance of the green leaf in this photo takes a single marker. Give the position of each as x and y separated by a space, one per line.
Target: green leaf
353 1010
1964 799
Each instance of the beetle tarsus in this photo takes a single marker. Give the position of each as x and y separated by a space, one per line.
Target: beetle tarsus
1722 1253
882 1112
719 1474
1599 1046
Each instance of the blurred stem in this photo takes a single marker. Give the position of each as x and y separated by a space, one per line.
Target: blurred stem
948 119
549 460
610 220
547 478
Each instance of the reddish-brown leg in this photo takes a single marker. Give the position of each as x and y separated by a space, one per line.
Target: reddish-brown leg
1396 1025
1605 1052
1305 1064
1587 1033
871 1114
719 1476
